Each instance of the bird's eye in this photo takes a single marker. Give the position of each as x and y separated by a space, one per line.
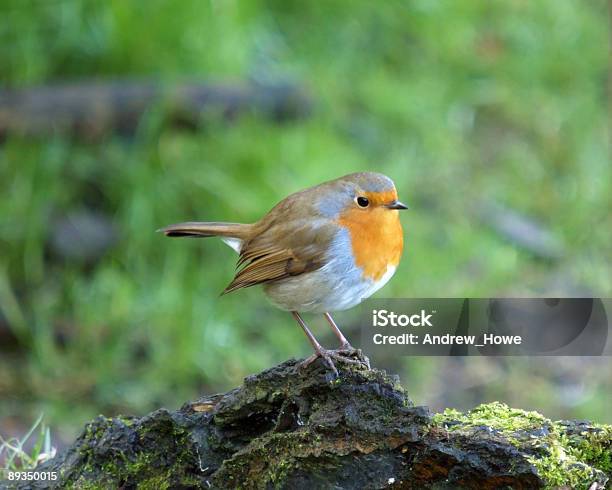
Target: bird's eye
363 202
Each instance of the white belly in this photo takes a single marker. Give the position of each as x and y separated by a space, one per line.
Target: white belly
320 291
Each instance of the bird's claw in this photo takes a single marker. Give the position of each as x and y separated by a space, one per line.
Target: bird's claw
350 351
323 354
345 354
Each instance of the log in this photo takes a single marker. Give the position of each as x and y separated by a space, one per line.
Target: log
301 429
92 109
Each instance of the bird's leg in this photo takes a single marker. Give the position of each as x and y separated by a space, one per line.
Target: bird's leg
344 344
345 347
320 351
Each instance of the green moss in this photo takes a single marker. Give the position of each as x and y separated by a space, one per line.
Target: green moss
139 467
496 415
94 430
594 447
82 484
123 469
127 420
279 471
560 460
558 467
159 482
272 457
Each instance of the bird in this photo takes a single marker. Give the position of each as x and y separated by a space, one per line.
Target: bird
320 250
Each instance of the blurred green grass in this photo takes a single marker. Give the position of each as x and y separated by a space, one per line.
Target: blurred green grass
462 103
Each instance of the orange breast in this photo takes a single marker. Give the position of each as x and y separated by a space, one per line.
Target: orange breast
376 238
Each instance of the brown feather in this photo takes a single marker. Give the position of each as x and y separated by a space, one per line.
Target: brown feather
284 248
207 229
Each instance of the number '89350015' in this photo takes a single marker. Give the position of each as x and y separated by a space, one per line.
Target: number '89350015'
32 475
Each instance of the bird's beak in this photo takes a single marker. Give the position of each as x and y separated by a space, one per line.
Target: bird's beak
396 205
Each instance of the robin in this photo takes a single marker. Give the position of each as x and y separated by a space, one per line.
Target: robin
322 249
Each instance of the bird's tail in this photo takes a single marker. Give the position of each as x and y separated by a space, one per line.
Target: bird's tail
206 229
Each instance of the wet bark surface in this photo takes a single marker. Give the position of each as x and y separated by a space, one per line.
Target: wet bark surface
293 428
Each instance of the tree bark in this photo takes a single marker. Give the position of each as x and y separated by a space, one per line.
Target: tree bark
300 428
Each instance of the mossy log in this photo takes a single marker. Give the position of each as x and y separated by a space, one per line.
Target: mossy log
292 428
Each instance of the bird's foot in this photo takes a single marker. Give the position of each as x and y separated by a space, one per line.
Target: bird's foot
323 354
348 350
345 354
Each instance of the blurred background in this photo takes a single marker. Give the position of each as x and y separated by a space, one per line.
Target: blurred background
119 117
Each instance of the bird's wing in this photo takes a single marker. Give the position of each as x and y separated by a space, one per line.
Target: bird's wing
282 250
